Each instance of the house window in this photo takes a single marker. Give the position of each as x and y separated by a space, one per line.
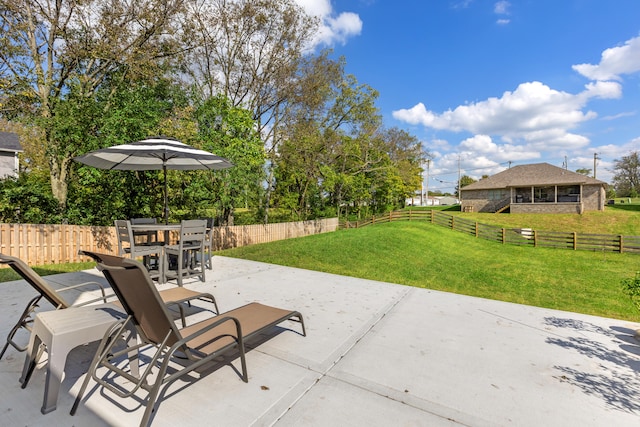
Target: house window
544 194
522 195
568 193
497 194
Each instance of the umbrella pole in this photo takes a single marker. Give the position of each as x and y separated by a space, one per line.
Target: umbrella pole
166 199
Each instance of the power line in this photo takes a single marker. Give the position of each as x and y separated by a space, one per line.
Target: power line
474 169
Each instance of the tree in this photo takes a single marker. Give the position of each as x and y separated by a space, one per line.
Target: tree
52 49
134 111
250 51
627 175
336 154
584 171
230 132
464 181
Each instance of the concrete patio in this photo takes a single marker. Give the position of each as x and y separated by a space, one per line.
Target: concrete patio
376 354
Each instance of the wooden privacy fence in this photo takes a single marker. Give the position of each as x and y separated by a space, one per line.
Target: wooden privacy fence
43 244
516 236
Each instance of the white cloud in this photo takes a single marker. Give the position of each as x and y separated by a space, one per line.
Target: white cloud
614 62
620 115
532 113
333 29
502 7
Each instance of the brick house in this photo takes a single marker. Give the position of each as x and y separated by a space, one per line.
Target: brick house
535 188
9 149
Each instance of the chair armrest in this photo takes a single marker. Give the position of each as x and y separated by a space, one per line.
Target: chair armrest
199 332
184 341
104 296
105 299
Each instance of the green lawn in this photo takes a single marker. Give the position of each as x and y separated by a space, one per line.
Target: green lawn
7 274
615 219
429 256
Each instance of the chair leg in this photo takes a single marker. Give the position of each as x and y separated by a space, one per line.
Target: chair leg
31 360
154 392
22 323
104 347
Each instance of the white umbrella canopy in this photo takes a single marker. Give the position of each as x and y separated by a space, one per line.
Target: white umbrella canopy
155 153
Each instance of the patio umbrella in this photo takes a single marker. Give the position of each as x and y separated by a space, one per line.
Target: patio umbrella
155 153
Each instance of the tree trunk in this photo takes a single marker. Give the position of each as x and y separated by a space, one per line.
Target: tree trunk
59 186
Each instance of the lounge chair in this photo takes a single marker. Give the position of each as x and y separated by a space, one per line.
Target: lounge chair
194 346
171 297
44 291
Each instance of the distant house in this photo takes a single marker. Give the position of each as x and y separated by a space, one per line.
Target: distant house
9 149
535 188
418 200
447 200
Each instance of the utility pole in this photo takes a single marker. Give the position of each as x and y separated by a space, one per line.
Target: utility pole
459 192
427 182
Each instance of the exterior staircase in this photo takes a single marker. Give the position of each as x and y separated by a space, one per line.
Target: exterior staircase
503 206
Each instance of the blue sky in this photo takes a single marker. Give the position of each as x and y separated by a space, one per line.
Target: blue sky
485 83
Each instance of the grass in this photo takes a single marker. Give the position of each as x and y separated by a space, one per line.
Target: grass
7 274
613 220
428 256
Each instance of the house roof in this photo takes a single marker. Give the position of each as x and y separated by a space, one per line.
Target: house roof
533 174
10 142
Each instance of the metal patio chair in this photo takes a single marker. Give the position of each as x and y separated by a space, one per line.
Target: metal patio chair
190 348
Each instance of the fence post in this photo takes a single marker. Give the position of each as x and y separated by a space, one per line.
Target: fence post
504 236
535 238
391 216
575 241
453 222
476 229
621 237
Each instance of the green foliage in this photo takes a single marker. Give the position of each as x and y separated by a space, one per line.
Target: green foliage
631 287
28 199
627 175
335 156
114 81
464 181
229 132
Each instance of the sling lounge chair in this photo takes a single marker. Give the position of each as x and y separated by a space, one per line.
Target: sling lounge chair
194 346
45 291
171 297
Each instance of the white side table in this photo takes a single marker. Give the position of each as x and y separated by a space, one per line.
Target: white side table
61 331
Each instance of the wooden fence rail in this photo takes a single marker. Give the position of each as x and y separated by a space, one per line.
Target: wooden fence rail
43 244
515 236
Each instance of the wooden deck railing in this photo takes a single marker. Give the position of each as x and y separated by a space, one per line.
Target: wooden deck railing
39 244
516 236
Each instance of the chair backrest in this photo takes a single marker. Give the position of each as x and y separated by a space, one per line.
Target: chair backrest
35 280
124 235
144 221
140 299
209 230
149 236
193 231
